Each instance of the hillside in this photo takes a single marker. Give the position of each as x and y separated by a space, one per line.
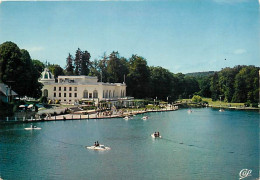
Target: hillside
200 74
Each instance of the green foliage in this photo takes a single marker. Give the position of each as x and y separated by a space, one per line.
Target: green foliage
116 68
43 100
69 65
138 78
6 110
85 63
38 65
18 71
161 83
247 104
196 99
204 86
56 70
81 63
200 74
255 105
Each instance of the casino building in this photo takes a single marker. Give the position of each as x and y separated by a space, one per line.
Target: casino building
72 89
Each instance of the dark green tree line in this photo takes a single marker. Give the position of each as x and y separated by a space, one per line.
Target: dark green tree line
18 71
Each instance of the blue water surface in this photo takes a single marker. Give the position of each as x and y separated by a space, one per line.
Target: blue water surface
204 144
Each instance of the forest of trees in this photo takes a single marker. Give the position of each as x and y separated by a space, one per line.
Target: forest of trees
237 84
19 71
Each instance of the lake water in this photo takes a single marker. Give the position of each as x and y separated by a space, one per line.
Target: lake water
205 144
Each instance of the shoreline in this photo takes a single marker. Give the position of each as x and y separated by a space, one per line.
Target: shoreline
71 117
78 115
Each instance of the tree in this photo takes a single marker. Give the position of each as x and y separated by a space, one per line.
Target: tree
85 63
191 86
138 78
69 65
204 85
226 82
102 68
77 61
6 110
38 65
161 82
93 71
116 67
214 87
56 70
18 71
10 63
196 99
246 85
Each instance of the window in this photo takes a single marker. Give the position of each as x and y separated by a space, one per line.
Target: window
65 88
64 99
85 94
95 94
69 94
45 92
54 95
64 94
70 88
90 95
59 88
54 89
59 94
75 94
75 88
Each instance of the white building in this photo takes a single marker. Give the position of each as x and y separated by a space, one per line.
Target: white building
71 89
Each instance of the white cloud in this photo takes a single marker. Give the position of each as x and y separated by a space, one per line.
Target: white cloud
239 51
34 49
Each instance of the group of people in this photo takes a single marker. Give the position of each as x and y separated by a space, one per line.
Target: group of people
156 134
33 126
96 144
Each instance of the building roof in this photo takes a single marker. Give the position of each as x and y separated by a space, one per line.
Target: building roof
6 91
47 75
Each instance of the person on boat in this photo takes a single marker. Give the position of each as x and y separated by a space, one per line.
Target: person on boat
155 134
158 134
97 143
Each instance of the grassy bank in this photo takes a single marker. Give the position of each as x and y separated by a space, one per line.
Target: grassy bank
218 103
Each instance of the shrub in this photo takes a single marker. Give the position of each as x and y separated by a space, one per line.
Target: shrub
43 99
255 105
247 104
196 99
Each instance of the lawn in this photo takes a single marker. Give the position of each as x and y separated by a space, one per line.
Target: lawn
217 103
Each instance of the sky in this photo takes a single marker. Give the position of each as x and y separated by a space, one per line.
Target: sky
179 35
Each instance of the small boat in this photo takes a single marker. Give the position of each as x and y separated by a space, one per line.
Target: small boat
33 128
221 110
189 111
99 148
144 117
153 136
127 118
